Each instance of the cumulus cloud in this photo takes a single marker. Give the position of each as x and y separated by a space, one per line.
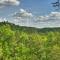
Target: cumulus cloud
9 2
23 14
54 16
3 19
51 16
50 20
22 18
42 18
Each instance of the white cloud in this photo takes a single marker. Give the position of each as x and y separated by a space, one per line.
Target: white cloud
50 20
42 18
54 16
51 16
3 19
9 2
23 14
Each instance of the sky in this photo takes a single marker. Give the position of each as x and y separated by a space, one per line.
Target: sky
32 13
37 7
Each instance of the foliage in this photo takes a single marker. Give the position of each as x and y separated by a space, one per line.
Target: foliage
26 43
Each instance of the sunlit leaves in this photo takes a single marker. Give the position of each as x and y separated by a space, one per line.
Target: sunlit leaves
22 43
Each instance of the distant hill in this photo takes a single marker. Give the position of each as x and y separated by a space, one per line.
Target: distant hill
28 43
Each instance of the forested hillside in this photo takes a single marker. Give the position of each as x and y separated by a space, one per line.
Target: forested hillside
27 43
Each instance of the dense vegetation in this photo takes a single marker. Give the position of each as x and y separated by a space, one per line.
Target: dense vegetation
26 43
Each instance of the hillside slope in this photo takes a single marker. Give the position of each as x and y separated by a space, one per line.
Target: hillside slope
26 43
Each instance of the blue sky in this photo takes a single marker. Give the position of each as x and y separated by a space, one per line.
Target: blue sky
37 7
33 13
